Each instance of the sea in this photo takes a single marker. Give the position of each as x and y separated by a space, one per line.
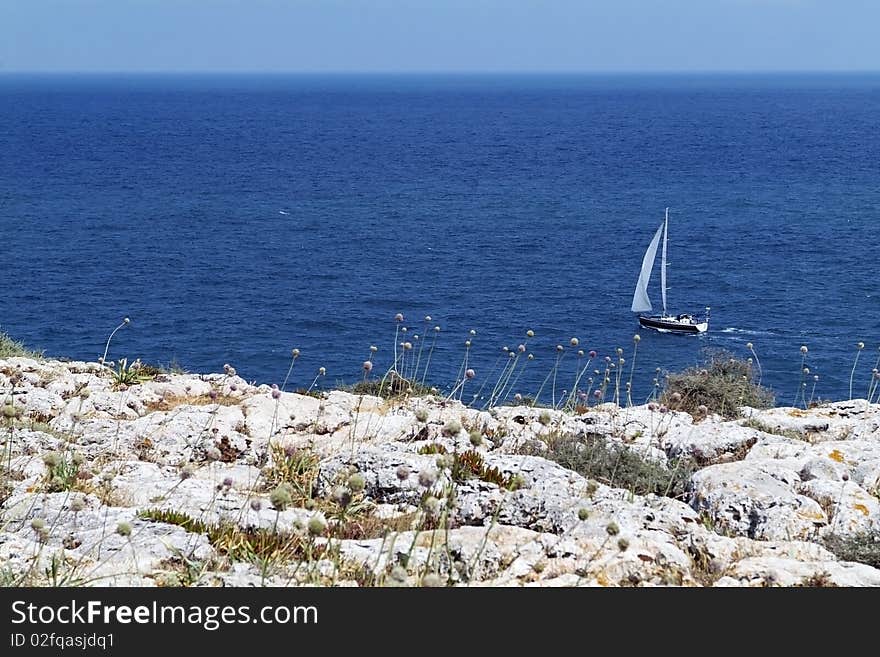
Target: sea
234 218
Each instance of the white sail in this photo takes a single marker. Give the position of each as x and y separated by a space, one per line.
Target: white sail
641 303
663 262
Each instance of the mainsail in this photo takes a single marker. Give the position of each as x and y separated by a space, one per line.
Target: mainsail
663 262
641 303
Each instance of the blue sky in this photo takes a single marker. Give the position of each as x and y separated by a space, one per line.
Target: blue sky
440 35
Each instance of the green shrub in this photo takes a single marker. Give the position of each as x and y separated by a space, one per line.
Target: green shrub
722 385
864 548
613 464
10 348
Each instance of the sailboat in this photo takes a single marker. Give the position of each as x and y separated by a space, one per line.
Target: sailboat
665 322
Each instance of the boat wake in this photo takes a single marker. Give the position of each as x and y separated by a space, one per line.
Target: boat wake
739 331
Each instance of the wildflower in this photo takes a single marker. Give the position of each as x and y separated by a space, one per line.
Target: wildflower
521 349
559 348
574 342
622 544
612 529
374 348
427 318
77 503
407 346
427 478
403 473
342 496
294 353
317 524
322 371
368 366
452 428
476 438
398 574
583 514
749 345
530 333
356 482
280 498
227 482
256 505
592 353
398 317
123 529
432 580
804 349
637 338
860 345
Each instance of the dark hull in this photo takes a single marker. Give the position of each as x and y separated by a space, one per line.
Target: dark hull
661 324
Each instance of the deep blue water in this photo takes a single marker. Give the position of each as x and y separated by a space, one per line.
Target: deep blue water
234 218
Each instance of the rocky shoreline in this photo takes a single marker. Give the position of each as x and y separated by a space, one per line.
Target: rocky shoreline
207 480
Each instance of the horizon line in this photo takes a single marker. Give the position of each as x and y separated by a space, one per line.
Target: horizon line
449 72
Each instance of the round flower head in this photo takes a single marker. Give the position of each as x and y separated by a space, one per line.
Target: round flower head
583 514
521 349
427 478
356 482
294 353
620 351
804 349
276 394
427 318
560 348
612 528
402 472
637 338
860 345
592 353
436 329
280 498
580 353
322 371
469 373
749 345
123 529
398 317
368 366
317 524
574 342
256 505
77 503
126 320
531 357
597 394
407 346
374 348
473 332
403 329
467 343
476 438
530 333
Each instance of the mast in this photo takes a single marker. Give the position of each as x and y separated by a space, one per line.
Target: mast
663 263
